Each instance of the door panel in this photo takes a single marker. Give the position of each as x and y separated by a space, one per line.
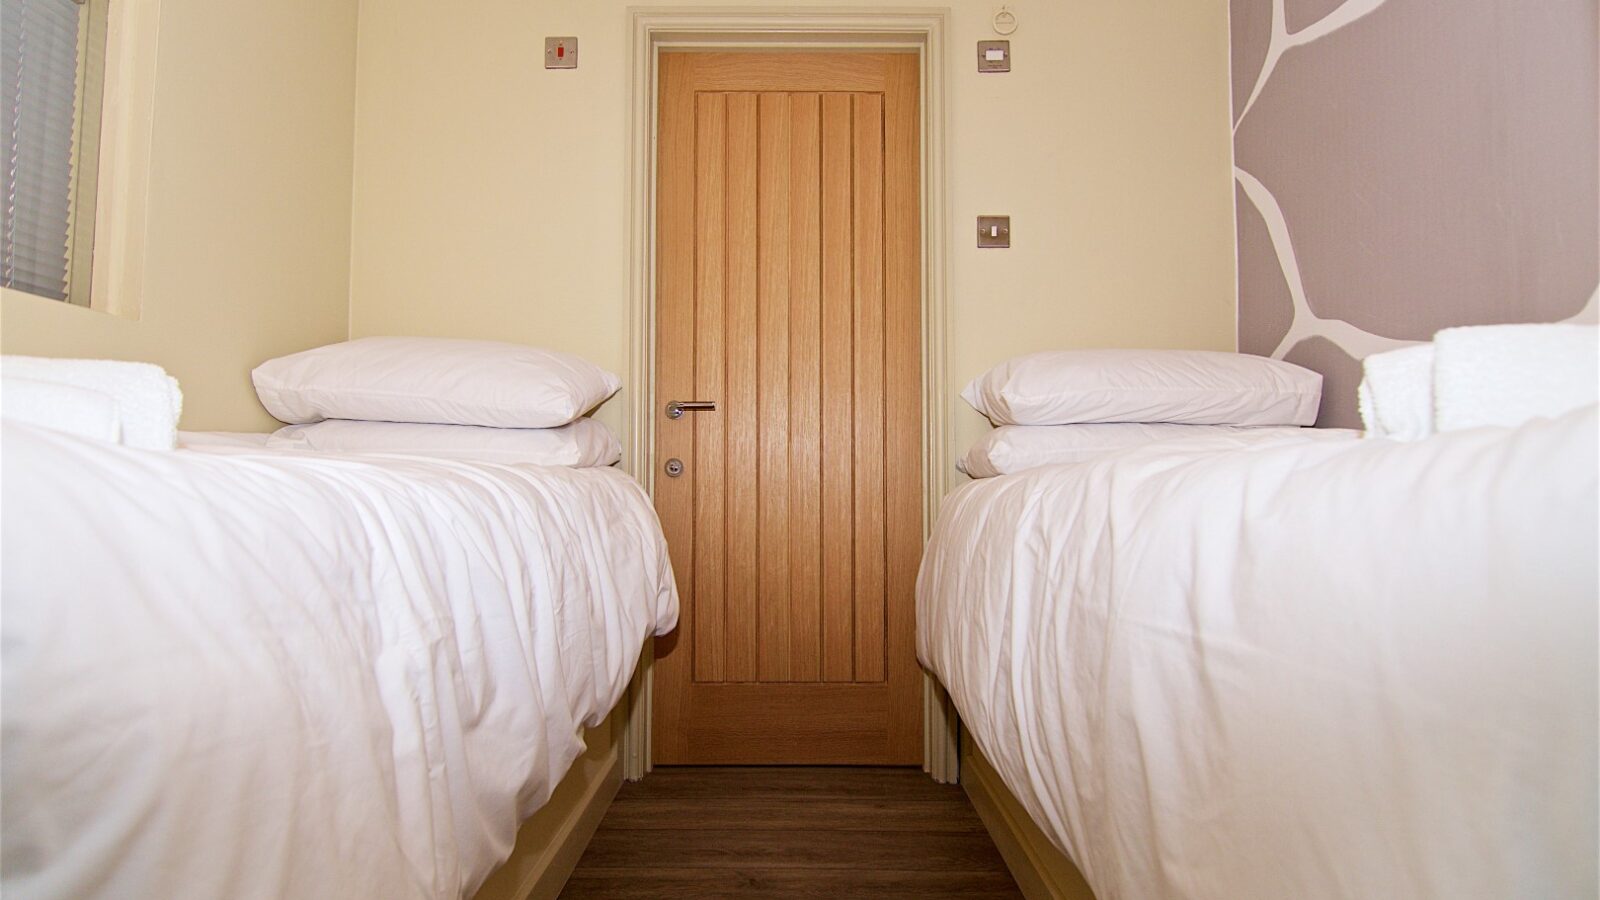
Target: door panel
838 400
772 388
805 395
739 390
867 309
708 453
788 292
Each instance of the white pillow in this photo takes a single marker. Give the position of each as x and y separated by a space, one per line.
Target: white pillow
1195 387
432 380
1012 448
584 443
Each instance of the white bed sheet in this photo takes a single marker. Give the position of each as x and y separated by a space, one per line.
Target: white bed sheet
1289 668
242 675
223 440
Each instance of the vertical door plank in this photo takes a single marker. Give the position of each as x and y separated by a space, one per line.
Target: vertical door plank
869 396
805 388
903 367
675 329
772 345
838 613
740 392
711 474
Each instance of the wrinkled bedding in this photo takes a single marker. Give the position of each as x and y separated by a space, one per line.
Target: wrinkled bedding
1288 666
245 674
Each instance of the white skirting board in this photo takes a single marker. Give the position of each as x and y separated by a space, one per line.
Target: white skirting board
550 843
1042 872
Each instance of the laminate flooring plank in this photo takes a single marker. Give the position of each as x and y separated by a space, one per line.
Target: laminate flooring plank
789 833
789 782
670 884
817 849
954 816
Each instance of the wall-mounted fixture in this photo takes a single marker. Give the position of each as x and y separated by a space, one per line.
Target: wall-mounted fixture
994 56
560 53
994 231
1005 21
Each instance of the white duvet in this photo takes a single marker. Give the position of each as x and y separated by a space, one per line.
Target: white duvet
1289 668
267 675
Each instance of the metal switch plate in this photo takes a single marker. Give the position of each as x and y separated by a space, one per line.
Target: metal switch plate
994 231
560 53
994 56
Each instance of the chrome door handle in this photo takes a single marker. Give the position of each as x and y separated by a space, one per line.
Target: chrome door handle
677 408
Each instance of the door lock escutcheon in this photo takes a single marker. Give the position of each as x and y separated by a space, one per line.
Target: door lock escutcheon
674 467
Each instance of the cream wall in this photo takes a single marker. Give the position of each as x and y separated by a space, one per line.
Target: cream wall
248 216
490 195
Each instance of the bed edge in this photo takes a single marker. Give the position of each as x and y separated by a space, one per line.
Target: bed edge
550 843
1042 872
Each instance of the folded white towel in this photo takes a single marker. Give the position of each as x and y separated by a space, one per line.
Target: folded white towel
146 398
1508 374
61 407
1396 393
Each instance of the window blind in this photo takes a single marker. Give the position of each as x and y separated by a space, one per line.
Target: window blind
39 68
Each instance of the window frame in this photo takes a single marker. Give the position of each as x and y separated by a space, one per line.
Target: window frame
122 165
88 120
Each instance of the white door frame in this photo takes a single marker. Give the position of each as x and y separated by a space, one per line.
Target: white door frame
652 29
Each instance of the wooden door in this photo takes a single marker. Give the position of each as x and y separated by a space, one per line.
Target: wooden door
788 292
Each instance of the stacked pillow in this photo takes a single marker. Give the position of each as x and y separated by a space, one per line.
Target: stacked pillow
482 400
1074 405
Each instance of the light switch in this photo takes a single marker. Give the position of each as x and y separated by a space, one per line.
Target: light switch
994 56
994 231
560 53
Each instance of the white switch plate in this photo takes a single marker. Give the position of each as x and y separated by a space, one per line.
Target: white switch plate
994 56
560 53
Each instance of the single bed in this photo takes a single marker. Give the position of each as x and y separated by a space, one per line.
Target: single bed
229 672
1288 665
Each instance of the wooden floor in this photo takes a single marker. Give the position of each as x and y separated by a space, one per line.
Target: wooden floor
790 832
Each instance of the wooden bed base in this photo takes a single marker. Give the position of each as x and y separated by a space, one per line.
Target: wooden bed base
549 844
1041 871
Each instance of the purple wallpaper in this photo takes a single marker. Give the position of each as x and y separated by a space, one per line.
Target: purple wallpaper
1402 166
